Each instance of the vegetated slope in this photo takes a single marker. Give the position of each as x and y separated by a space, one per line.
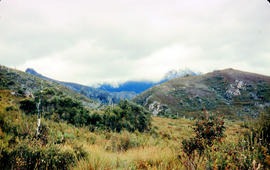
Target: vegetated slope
54 145
102 96
140 86
24 84
230 92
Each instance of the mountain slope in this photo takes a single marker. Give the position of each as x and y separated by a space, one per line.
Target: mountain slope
140 86
102 96
230 92
24 84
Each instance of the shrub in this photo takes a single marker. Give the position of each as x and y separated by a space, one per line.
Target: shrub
121 143
208 131
10 108
257 142
25 156
28 106
125 115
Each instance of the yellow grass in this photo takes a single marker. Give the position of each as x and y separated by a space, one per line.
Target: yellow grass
155 153
125 150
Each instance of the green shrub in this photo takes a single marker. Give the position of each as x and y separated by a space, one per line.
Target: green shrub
28 106
124 116
25 156
10 108
208 131
257 142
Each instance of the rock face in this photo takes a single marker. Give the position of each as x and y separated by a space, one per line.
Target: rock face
155 108
234 88
230 92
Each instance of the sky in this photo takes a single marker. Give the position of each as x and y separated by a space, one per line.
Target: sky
90 42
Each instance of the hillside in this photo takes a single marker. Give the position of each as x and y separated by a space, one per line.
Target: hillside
102 96
44 125
64 146
26 85
230 92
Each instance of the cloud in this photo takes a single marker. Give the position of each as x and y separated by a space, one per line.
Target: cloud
117 40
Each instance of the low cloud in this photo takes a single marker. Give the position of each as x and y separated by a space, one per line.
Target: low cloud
91 42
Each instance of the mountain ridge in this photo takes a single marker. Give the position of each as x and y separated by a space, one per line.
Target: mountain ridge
102 96
107 93
235 93
140 86
24 84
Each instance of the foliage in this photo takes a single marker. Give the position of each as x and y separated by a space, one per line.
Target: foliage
208 131
257 142
125 115
28 106
25 156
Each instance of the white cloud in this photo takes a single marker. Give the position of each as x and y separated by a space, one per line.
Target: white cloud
118 40
168 58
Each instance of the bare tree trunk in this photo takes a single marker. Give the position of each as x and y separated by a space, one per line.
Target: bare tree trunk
39 111
39 117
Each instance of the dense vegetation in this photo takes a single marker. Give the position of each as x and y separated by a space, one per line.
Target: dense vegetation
125 115
22 148
62 144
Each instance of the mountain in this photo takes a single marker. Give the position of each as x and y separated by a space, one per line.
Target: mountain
178 73
26 85
229 92
140 86
102 96
131 86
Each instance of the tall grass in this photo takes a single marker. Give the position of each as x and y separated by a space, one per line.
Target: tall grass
159 148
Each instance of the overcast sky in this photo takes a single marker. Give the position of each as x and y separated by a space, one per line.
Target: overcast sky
90 41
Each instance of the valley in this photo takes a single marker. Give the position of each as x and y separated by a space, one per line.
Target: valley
81 133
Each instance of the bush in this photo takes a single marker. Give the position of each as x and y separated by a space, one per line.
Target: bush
28 106
10 108
25 156
208 131
122 143
125 115
257 142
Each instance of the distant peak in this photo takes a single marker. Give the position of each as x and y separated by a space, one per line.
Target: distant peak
229 69
179 73
32 71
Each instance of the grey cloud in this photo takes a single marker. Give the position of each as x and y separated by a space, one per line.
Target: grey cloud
110 40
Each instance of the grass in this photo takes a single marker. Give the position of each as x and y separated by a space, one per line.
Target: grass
160 148
160 152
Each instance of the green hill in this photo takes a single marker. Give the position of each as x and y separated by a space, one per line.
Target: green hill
25 85
230 92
